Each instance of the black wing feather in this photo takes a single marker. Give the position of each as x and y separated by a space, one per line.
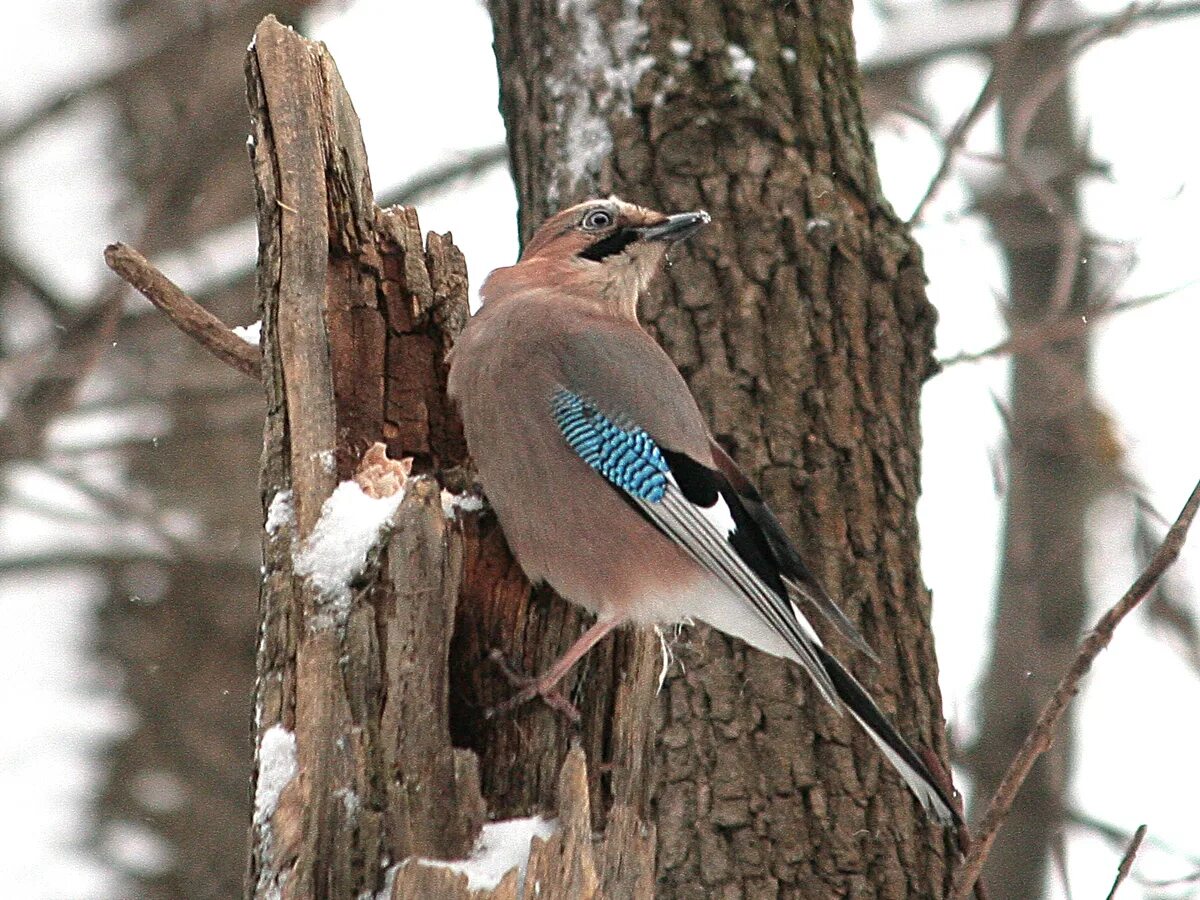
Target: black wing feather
787 560
701 486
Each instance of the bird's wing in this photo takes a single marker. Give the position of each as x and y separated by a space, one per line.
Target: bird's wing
795 574
698 508
619 369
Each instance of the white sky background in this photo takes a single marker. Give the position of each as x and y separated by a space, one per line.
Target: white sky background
1140 713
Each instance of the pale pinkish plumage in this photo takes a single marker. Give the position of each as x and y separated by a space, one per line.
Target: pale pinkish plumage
565 317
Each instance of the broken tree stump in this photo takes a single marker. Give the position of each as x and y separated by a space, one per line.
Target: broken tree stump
372 748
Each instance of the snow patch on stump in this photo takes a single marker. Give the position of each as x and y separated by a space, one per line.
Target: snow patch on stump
277 766
252 333
353 520
501 847
280 512
452 503
350 526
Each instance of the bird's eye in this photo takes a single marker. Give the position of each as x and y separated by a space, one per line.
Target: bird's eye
597 220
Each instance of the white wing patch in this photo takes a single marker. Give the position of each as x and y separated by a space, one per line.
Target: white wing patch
694 529
718 515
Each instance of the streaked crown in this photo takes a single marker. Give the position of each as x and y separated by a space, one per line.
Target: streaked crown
596 230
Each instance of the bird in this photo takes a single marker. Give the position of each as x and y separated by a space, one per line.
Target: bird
605 478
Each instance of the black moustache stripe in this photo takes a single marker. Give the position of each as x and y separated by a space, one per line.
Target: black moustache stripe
614 243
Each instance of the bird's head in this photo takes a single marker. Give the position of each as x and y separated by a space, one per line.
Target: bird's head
602 251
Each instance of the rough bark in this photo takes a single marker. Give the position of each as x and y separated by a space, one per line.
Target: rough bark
1058 449
358 316
801 323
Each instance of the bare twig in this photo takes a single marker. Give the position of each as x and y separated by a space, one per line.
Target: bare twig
1042 735
1071 234
1119 837
47 384
14 269
1127 860
125 507
29 564
469 164
1058 845
193 319
963 832
1192 878
90 86
1022 23
965 843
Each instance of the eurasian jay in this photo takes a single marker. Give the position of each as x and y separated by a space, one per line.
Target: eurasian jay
605 478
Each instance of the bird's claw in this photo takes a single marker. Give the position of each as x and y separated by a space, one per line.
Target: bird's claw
529 689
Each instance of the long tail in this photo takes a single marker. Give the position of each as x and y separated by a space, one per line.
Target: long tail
910 766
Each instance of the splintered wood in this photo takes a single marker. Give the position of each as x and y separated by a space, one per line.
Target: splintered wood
373 750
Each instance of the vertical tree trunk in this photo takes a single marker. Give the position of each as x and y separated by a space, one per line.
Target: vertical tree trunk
1054 433
800 321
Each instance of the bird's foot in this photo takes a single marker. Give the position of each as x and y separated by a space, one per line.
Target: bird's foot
530 688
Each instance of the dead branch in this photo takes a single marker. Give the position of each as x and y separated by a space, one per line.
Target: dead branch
1042 735
192 319
1127 860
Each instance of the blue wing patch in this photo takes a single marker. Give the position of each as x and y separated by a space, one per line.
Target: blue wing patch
624 454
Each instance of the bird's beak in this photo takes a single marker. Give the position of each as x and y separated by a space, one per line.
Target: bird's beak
676 227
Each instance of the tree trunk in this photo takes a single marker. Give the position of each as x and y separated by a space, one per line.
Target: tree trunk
1055 433
800 320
